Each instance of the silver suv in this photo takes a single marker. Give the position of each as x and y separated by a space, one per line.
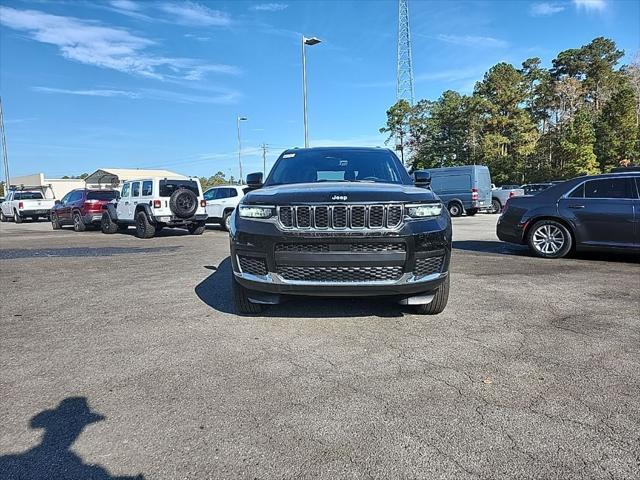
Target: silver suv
150 204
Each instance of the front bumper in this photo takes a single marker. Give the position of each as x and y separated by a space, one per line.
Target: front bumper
423 240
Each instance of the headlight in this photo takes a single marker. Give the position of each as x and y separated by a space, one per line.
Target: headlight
246 211
423 211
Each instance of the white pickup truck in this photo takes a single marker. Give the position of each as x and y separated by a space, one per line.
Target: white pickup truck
21 204
500 195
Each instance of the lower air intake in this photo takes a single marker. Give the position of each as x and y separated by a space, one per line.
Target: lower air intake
340 274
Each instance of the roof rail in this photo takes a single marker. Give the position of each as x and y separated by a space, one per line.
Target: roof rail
635 168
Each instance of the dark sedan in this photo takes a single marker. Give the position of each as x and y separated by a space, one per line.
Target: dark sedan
600 212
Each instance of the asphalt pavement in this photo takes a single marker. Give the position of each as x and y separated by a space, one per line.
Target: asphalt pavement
123 358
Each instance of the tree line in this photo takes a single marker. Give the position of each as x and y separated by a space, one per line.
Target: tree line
581 116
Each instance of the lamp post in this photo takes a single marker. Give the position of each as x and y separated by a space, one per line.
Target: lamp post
306 41
240 119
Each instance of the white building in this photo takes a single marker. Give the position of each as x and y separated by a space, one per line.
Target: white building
54 188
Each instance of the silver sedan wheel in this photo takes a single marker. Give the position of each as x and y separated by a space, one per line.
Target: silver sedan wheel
548 239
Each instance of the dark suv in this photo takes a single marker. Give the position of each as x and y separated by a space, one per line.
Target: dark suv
81 208
600 212
340 222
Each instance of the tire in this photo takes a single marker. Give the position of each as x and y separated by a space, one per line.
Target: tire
455 209
55 222
78 223
226 218
144 228
16 217
471 212
496 206
107 225
241 299
197 228
183 203
3 218
439 302
549 239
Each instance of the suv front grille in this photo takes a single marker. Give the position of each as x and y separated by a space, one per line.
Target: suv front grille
252 265
349 247
428 266
340 274
341 217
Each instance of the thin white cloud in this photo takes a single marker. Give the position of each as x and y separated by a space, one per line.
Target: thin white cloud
590 5
195 14
88 93
472 41
452 75
126 5
200 38
269 7
216 96
114 48
545 9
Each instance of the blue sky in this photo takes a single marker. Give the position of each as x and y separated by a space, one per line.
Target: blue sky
88 84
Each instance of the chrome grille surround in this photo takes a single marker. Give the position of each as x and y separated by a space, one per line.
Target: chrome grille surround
341 217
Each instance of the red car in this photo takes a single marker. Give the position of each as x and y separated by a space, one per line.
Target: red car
81 208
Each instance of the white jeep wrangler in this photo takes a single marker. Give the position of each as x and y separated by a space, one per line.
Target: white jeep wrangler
150 204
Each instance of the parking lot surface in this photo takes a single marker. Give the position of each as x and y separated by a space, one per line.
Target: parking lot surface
123 357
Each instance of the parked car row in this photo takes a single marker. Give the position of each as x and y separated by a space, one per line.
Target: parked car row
148 204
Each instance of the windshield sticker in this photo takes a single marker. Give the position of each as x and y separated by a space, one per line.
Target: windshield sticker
344 163
288 155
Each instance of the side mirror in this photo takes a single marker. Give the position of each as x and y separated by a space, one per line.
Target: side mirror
57 202
254 180
422 178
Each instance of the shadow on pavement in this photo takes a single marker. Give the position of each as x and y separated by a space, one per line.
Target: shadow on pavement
503 248
488 246
215 291
53 457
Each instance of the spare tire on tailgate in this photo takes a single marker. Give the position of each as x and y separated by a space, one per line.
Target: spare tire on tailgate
183 203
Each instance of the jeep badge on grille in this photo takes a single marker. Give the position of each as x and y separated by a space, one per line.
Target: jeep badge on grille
339 198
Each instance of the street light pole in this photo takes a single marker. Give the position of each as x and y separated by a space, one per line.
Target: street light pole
306 41
240 119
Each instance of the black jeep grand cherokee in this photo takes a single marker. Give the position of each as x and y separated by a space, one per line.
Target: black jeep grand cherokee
340 222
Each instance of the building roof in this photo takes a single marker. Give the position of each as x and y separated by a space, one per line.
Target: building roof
115 176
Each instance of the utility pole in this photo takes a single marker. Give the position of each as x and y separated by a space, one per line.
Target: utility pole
5 160
306 41
264 160
240 119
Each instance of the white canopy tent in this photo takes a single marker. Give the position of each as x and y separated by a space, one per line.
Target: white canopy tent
115 177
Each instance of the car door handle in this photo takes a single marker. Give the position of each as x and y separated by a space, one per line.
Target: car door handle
126 203
135 203
575 207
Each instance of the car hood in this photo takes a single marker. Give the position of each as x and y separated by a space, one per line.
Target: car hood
335 192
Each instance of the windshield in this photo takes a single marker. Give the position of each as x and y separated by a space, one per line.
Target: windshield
338 165
167 187
28 196
102 195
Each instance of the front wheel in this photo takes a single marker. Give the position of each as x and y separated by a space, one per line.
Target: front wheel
496 206
549 239
226 221
439 302
241 300
55 222
107 224
144 228
197 228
